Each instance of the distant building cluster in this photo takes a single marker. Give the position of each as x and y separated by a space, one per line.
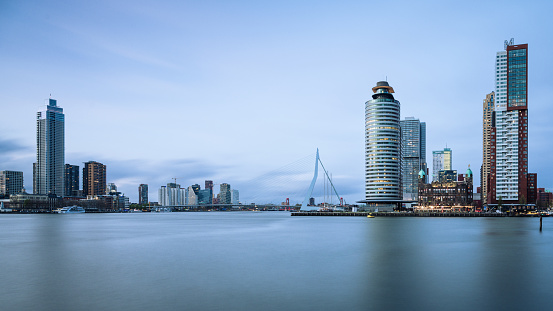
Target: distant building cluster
175 195
57 184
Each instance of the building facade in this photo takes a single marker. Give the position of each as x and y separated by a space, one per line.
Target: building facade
172 195
49 170
143 194
488 123
382 148
224 194
450 195
71 180
441 160
94 179
205 196
11 183
545 198
508 175
413 144
234 196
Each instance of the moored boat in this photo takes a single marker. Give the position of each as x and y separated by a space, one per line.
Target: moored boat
71 210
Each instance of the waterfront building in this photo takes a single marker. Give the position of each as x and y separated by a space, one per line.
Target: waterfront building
447 195
94 179
508 175
143 194
441 160
196 188
11 183
382 149
192 196
205 196
487 125
532 190
25 202
545 198
71 180
172 195
49 170
224 194
413 155
234 196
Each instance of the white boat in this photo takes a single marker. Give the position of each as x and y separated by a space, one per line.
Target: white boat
71 210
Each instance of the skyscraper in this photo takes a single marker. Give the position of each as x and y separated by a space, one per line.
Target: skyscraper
234 196
382 148
94 179
225 193
487 126
209 185
508 176
413 143
143 194
71 180
441 160
49 170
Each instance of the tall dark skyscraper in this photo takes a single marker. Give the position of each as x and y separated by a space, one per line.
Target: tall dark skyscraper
413 155
94 179
143 194
71 180
209 185
49 170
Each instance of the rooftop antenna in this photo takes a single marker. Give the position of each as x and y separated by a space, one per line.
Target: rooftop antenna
386 78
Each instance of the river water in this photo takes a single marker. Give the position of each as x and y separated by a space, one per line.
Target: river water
272 261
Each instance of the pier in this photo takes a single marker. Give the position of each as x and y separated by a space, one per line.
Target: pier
400 214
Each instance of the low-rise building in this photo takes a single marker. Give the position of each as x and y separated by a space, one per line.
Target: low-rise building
447 195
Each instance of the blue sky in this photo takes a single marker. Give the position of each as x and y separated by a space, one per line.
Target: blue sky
231 90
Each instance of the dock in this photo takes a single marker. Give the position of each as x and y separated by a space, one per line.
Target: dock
401 214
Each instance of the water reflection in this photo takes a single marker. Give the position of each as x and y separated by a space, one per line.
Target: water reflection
271 261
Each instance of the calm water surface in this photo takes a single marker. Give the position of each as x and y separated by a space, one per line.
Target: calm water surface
272 261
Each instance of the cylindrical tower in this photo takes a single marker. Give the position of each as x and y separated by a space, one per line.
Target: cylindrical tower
382 146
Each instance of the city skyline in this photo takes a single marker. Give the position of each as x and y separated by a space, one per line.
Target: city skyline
148 90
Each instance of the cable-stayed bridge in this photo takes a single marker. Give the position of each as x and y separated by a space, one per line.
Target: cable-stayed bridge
302 183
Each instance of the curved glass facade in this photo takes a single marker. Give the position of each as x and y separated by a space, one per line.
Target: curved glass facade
382 145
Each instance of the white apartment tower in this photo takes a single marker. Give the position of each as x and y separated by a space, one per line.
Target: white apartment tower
509 137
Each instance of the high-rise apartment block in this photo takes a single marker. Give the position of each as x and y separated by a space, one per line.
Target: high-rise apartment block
413 146
11 182
441 160
94 179
508 160
488 123
172 195
49 169
382 148
71 180
225 195
143 194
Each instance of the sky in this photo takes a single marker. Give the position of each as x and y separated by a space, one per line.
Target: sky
234 90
